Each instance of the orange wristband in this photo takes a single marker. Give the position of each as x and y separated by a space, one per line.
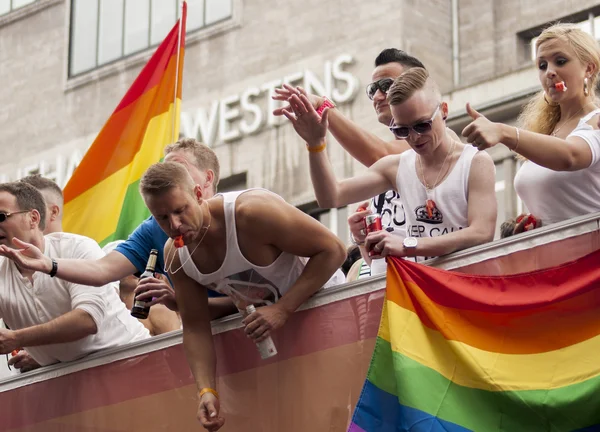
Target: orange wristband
318 149
207 390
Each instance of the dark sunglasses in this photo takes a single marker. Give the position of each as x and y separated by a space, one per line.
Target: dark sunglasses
403 132
6 215
383 85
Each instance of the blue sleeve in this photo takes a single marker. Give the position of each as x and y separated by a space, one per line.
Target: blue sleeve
147 236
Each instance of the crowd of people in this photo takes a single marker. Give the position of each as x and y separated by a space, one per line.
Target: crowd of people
63 297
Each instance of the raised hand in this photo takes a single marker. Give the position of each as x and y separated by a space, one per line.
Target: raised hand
285 92
356 222
307 123
481 132
27 256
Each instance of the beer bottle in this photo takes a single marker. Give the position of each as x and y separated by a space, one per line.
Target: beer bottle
140 308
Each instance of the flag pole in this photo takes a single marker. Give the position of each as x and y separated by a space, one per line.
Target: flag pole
174 118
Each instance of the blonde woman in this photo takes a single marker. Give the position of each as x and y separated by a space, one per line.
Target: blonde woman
559 137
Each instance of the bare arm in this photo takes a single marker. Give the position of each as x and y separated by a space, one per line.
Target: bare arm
554 153
198 342
481 213
72 326
272 221
557 154
163 320
329 192
90 272
364 146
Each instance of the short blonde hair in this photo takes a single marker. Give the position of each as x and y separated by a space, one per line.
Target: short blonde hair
164 176
206 158
538 115
406 85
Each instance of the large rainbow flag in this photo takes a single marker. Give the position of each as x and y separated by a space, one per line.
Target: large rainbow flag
101 198
458 352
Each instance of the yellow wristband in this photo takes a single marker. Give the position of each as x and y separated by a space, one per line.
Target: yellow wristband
207 390
318 149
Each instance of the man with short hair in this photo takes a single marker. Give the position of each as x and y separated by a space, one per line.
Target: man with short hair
54 320
367 148
250 245
131 256
54 201
446 188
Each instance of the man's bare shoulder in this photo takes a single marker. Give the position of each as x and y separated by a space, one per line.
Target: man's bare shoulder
256 200
396 146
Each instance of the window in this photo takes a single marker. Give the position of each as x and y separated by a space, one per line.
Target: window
7 6
103 31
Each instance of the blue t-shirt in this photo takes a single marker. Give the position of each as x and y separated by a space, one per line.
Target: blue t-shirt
147 236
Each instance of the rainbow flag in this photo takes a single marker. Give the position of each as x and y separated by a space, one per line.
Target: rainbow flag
458 352
101 198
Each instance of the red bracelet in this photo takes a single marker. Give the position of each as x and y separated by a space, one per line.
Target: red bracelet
326 104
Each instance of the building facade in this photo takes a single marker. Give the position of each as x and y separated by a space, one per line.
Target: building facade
65 64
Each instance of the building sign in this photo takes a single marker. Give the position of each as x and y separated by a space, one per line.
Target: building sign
228 119
233 117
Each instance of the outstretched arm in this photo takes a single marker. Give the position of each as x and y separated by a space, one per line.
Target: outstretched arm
364 146
329 192
557 154
90 272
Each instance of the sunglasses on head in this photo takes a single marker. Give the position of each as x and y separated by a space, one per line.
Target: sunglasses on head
383 85
403 132
6 215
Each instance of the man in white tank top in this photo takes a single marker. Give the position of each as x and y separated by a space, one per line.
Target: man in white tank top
446 188
250 245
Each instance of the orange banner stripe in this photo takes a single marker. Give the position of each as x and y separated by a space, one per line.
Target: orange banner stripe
545 328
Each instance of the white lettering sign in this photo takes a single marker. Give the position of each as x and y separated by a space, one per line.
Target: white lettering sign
236 116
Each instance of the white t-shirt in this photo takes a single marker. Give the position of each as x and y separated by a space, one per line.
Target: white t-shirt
23 304
555 196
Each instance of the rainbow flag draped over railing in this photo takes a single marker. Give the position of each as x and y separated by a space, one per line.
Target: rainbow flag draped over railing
459 352
101 198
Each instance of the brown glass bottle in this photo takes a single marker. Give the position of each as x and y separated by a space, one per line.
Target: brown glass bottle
140 308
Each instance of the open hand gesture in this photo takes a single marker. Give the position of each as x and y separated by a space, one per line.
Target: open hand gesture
27 256
307 123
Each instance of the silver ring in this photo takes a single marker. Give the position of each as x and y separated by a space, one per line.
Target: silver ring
362 231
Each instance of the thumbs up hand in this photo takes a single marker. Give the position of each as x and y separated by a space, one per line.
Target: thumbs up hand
481 132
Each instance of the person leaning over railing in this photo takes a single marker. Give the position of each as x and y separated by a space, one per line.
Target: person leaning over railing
54 320
559 138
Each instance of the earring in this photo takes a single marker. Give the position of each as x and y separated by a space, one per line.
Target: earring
586 90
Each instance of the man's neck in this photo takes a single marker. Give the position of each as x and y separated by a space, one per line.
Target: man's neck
440 154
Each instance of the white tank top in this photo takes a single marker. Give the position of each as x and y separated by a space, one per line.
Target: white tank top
555 196
450 197
241 280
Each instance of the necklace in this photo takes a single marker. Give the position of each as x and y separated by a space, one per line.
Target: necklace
430 205
169 266
427 187
567 121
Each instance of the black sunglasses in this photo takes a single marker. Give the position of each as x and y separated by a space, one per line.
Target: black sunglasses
403 132
6 215
383 85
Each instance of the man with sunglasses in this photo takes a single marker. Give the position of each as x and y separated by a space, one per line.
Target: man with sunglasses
54 320
367 148
446 188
